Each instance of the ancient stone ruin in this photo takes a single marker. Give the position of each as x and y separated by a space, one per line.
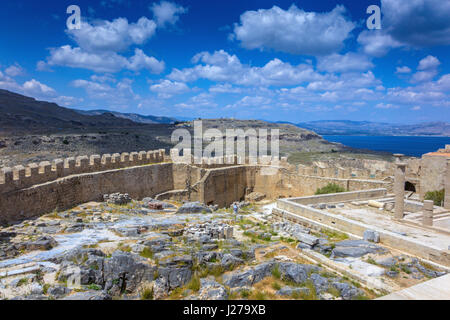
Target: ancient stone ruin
144 225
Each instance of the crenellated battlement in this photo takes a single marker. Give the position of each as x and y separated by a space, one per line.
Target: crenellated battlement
20 177
217 162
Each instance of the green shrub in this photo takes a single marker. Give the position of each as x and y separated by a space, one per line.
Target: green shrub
94 287
147 253
436 196
330 188
194 284
276 286
147 294
276 272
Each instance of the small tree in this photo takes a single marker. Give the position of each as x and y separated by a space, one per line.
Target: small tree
330 188
436 196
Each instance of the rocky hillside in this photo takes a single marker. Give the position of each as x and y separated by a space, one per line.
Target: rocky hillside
130 116
292 139
34 131
21 114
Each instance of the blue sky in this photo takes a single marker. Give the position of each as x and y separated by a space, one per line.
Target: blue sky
274 60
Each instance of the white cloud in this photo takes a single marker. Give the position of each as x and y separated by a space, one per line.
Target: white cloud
202 101
67 101
423 76
430 93
294 30
402 70
14 70
224 88
115 36
167 12
386 106
252 101
108 62
34 87
166 88
377 42
223 67
120 94
428 69
428 63
8 83
141 61
344 63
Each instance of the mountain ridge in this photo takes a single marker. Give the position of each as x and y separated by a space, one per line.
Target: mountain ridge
350 127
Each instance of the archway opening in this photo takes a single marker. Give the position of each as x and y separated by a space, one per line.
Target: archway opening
410 187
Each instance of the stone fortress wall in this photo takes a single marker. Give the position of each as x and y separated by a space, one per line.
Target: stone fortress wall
63 184
21 177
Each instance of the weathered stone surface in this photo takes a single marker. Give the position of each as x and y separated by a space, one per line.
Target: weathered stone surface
386 262
294 272
124 272
194 207
173 277
255 196
88 295
372 236
77 227
240 279
117 198
58 291
156 204
42 243
320 283
347 291
229 261
306 238
290 271
211 290
355 248
289 291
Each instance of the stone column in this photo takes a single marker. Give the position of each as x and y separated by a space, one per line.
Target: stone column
398 157
427 213
447 186
399 189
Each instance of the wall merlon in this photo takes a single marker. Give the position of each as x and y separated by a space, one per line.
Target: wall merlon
106 162
124 159
69 166
19 173
58 167
82 164
142 157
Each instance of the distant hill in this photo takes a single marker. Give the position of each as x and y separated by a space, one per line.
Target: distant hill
21 114
291 138
130 116
347 127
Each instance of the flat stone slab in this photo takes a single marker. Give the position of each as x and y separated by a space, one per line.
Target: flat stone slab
355 248
434 289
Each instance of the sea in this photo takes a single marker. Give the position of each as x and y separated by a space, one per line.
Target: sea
414 146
